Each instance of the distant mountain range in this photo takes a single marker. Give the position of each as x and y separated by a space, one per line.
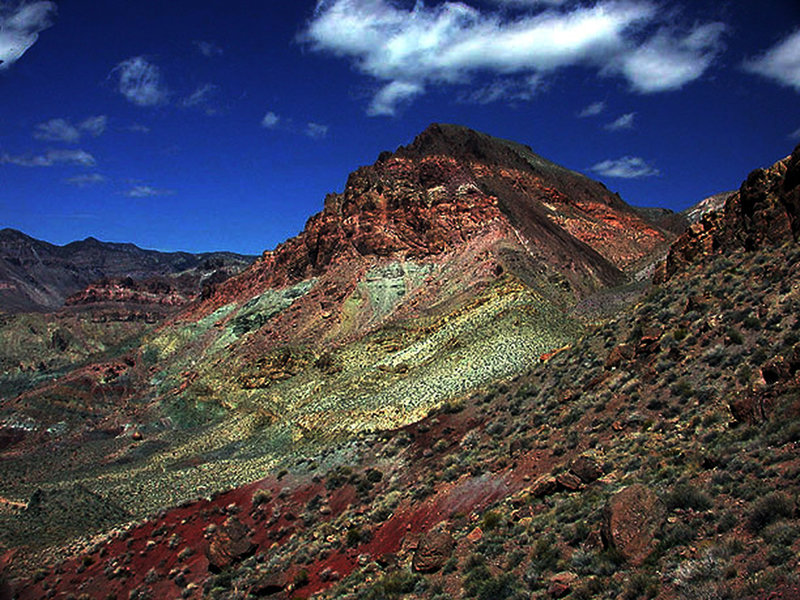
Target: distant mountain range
38 276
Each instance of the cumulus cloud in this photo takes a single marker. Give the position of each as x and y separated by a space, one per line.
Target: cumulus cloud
410 49
594 109
270 120
61 130
141 82
781 63
207 49
667 62
530 3
87 180
624 122
20 26
316 131
146 191
627 167
51 158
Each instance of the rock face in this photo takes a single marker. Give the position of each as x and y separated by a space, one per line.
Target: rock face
633 517
433 551
445 189
764 212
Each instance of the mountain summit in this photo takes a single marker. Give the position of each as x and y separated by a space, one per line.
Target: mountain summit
452 185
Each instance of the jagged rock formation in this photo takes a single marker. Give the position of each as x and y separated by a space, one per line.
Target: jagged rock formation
764 212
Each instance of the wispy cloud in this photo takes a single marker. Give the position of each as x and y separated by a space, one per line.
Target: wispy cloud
623 122
20 27
507 89
627 167
316 131
781 63
87 180
202 98
391 96
410 50
795 135
594 109
530 3
138 128
208 49
270 120
61 130
141 82
51 158
94 126
146 191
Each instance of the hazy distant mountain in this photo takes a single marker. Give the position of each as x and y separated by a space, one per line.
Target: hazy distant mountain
36 275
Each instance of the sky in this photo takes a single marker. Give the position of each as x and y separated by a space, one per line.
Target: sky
206 125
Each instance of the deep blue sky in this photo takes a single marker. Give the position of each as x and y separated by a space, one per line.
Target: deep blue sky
209 125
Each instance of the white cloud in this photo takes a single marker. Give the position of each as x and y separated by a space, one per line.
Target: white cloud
20 27
668 62
51 158
624 122
57 130
87 180
208 49
146 191
138 128
270 120
780 63
386 101
592 110
61 130
141 82
94 126
627 167
409 49
795 135
316 131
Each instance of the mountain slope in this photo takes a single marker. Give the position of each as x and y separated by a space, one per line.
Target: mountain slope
655 457
36 275
448 265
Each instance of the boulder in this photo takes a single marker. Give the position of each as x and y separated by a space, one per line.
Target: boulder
433 551
586 468
229 544
632 519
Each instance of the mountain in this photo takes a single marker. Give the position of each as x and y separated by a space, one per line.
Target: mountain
38 276
417 396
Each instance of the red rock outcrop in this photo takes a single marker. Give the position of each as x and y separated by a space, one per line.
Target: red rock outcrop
764 212
633 517
446 188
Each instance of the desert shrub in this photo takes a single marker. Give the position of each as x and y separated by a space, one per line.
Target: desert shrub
677 534
301 578
769 509
392 586
261 496
686 496
640 585
491 519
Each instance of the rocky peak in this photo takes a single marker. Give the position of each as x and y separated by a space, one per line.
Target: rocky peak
764 212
